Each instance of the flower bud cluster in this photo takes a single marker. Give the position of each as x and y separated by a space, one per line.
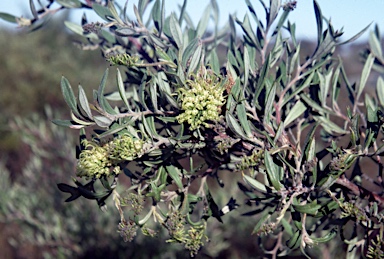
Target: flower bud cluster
201 101
96 161
134 201
127 230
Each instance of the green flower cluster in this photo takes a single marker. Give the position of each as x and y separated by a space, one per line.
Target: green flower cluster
93 161
122 59
201 101
254 160
124 148
97 161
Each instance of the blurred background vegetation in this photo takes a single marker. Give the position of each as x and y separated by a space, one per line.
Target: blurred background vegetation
36 155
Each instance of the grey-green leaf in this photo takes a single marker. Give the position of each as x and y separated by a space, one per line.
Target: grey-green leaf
254 183
69 96
297 110
84 102
203 23
176 32
380 90
365 73
8 17
69 3
273 171
175 174
120 84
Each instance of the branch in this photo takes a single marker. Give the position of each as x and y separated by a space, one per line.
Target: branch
360 191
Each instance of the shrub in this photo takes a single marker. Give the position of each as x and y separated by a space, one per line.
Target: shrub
267 125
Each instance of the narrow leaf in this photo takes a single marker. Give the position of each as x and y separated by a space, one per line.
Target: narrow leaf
176 32
272 171
203 23
8 17
84 102
242 115
309 208
365 73
175 174
120 85
380 90
254 183
69 96
297 110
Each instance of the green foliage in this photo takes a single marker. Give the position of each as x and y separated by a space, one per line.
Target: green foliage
178 118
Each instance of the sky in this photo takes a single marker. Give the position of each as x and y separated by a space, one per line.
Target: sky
351 15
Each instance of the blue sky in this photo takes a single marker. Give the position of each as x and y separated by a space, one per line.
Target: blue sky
353 15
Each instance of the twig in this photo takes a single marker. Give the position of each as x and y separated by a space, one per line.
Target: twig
360 191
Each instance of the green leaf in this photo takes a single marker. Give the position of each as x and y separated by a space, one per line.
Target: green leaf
297 110
281 22
163 56
195 60
176 32
69 96
355 36
149 123
327 209
375 46
329 126
247 67
325 82
157 16
273 171
153 94
124 32
113 11
365 73
175 174
273 11
103 12
313 104
69 3
234 125
108 36
294 241
380 90
33 9
330 235
309 146
262 78
309 208
242 115
120 85
67 123
254 183
268 107
84 102
102 121
319 22
189 50
100 95
247 28
215 62
76 28
8 17
260 222
203 23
